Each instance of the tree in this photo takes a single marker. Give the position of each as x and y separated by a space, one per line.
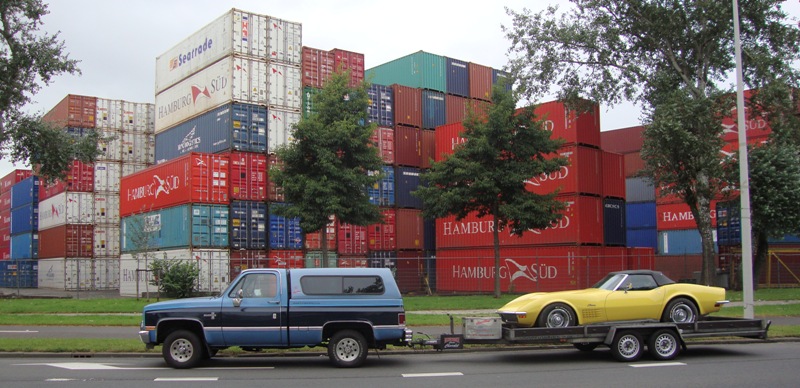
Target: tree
486 174
326 169
29 57
175 278
672 58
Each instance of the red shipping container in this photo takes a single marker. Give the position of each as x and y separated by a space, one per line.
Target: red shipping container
351 239
5 245
678 216
274 192
248 176
730 149
613 175
480 82
567 124
73 111
410 229
448 136
383 138
382 236
193 178
624 140
427 147
582 223
318 65
583 174
641 258
456 108
407 146
71 240
5 200
245 259
80 178
353 262
13 178
407 106
756 125
349 61
289 258
313 241
633 164
410 271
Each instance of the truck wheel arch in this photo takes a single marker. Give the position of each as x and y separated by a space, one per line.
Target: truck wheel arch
365 328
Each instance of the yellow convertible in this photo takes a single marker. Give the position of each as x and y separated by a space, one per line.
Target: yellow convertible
620 296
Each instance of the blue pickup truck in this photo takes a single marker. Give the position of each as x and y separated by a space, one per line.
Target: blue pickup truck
349 310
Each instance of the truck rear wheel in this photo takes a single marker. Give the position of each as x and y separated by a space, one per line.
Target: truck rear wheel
664 345
347 349
182 349
627 346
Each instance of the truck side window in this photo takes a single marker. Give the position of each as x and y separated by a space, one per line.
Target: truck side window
257 285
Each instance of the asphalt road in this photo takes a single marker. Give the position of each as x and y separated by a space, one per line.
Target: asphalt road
762 364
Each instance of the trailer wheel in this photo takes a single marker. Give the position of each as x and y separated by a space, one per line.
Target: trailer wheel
627 346
557 315
182 349
680 310
586 346
347 349
664 345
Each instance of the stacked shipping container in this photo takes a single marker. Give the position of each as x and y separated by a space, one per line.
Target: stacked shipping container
19 240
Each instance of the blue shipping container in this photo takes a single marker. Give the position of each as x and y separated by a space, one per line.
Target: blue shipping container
382 193
381 105
240 127
642 238
284 233
192 225
640 215
614 222
429 234
25 192
248 225
640 190
25 246
406 180
25 219
681 242
457 77
22 274
729 228
499 76
434 113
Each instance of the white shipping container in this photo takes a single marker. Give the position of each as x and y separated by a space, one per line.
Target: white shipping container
109 114
280 127
69 207
66 273
138 147
130 168
234 33
106 273
285 86
285 41
231 79
106 241
106 209
107 176
135 275
109 144
138 117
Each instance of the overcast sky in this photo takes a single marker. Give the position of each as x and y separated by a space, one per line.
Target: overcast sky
117 42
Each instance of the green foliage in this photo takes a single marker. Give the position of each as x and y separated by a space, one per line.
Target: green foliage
29 57
175 278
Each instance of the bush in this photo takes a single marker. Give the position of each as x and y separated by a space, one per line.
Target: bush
175 278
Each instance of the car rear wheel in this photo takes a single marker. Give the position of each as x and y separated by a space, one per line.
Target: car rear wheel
627 346
664 345
557 315
680 310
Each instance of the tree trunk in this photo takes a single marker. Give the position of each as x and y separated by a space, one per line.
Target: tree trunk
702 214
324 245
496 236
760 258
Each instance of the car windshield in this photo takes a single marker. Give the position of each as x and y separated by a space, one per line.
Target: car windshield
609 282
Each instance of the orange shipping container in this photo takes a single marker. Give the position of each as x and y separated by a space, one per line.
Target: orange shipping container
73 111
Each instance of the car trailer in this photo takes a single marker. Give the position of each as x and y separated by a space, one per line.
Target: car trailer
627 340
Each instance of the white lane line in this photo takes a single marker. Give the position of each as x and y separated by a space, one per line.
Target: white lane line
20 331
60 380
445 374
657 364
186 379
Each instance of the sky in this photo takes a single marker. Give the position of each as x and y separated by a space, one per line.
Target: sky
117 42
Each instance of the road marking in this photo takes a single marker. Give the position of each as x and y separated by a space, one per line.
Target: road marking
20 331
186 379
657 364
59 380
445 374
90 366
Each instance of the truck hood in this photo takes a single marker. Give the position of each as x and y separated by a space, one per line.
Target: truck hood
205 301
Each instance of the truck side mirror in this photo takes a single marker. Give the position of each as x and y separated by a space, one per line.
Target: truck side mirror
237 301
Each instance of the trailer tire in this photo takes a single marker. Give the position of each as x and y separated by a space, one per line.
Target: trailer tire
627 346
557 315
664 345
586 346
182 349
680 310
347 349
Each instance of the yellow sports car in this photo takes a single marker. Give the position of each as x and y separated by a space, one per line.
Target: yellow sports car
620 296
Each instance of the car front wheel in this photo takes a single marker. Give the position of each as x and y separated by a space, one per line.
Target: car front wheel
182 349
557 315
680 310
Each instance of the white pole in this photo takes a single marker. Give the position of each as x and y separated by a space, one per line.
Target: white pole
744 175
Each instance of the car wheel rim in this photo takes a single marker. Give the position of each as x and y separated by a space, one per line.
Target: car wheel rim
181 350
558 318
628 346
348 349
665 345
682 313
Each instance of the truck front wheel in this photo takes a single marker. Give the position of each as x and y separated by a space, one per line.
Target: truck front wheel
182 349
347 349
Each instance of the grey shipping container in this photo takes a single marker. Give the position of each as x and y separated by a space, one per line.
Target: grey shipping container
639 189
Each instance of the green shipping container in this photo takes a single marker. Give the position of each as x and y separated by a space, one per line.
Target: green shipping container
418 70
314 259
308 104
